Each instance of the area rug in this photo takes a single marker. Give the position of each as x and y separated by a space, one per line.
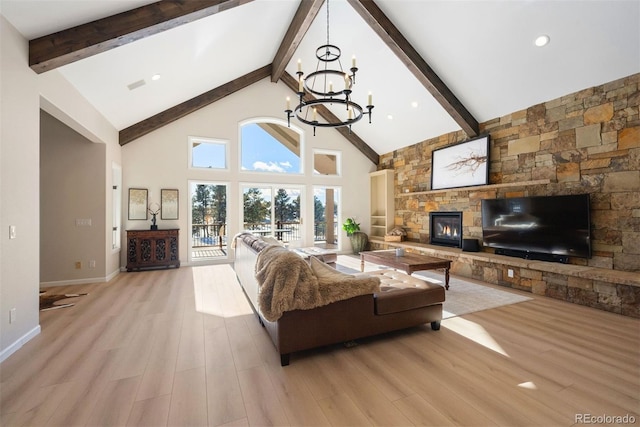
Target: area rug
48 302
463 297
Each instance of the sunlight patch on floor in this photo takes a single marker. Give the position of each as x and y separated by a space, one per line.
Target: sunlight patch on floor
213 284
529 385
474 332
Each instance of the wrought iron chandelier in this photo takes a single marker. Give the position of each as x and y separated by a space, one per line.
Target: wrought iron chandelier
320 84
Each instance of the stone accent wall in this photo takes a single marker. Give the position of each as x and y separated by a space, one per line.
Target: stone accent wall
585 142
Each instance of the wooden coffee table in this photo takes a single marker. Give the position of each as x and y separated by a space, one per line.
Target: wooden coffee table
408 263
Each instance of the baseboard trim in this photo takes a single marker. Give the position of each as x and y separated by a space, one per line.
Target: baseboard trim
12 348
80 281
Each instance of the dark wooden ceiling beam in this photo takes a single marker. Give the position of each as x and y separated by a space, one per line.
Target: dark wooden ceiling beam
301 22
354 139
70 45
394 39
174 113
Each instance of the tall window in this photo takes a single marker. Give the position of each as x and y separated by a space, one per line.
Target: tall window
208 221
270 147
326 204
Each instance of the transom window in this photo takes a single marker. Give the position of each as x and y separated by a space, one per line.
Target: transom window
207 153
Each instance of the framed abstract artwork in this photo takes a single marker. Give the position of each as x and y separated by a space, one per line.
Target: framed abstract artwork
168 203
461 165
138 203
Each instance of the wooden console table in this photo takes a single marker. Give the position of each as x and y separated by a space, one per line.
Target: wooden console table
152 249
409 262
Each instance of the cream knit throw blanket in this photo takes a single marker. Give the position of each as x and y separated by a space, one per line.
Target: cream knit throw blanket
288 283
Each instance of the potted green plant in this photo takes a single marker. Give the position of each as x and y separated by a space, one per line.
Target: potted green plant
358 238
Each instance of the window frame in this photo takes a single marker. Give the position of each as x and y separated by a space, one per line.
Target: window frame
208 140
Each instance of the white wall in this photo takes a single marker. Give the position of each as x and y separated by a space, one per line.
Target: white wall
62 100
19 192
70 176
22 94
160 160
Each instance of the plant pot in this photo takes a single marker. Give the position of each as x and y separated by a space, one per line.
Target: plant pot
359 241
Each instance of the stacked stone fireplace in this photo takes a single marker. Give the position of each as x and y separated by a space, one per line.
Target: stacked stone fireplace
445 229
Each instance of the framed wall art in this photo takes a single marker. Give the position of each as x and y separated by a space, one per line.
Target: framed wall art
168 204
461 165
138 203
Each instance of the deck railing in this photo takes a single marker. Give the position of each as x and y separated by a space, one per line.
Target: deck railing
215 234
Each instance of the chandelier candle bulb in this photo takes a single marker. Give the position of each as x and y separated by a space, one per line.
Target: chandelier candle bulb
330 86
350 113
315 114
353 61
370 99
299 64
288 103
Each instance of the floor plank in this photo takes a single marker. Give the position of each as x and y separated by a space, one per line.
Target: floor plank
182 347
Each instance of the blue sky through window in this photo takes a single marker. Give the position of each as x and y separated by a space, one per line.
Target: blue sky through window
261 152
205 154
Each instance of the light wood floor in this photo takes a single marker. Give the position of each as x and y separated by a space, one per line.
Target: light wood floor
180 347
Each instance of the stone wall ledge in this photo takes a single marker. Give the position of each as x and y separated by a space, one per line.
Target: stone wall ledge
585 272
477 187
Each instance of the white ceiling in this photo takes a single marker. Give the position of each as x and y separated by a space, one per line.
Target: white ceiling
482 50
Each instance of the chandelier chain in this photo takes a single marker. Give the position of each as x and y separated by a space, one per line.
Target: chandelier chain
328 22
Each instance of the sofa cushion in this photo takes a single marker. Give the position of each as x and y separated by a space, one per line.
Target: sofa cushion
400 292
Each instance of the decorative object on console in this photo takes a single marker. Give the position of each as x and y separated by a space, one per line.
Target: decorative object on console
359 239
154 209
138 203
306 112
461 165
169 204
445 229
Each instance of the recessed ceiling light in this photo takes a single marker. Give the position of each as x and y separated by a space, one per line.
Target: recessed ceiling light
155 77
542 40
390 117
414 104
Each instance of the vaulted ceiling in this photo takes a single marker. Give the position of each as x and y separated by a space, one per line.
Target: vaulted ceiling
433 66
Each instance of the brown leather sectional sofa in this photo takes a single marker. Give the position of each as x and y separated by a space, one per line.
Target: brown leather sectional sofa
403 301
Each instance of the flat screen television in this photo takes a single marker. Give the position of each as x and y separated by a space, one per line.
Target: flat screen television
550 228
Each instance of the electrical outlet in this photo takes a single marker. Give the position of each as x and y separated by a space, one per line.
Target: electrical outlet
12 231
78 265
92 263
12 315
510 273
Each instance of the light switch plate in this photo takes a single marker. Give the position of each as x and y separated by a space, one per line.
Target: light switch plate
12 231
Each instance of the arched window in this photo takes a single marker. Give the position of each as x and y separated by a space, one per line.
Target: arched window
270 146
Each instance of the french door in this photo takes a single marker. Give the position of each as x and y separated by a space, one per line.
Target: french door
273 210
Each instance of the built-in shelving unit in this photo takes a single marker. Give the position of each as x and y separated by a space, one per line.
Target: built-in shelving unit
479 187
382 202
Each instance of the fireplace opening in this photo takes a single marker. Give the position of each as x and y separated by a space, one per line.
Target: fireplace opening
445 229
